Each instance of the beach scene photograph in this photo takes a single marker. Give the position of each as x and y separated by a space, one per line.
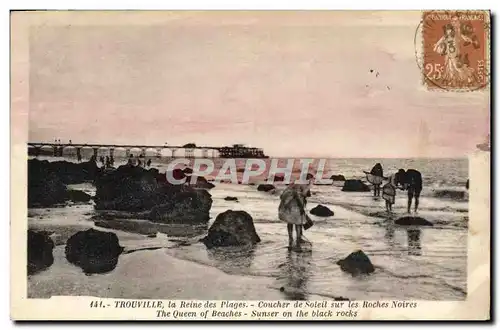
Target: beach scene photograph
249 155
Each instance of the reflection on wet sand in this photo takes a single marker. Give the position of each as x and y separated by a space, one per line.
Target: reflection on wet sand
294 274
414 242
389 232
145 227
232 258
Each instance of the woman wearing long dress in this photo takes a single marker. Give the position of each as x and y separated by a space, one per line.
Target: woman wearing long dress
292 211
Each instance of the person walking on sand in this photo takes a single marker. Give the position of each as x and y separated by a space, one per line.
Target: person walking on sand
292 211
410 180
375 177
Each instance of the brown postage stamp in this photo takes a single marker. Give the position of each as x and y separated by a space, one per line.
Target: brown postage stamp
455 50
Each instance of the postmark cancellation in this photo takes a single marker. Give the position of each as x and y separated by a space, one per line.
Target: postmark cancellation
455 50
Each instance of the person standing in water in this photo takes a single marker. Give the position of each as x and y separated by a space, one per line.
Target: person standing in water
375 177
389 193
410 180
292 211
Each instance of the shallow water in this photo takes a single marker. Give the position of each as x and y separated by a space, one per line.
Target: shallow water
428 263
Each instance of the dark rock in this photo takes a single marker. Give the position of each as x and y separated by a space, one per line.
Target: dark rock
412 221
45 188
265 187
231 228
279 178
355 186
321 211
152 235
78 196
452 194
200 182
102 224
356 263
178 174
187 207
70 173
231 198
133 189
40 247
338 177
94 251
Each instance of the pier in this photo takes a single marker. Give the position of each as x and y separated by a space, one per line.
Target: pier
189 150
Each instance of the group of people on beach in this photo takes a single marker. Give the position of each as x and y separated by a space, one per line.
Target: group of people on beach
137 161
293 200
409 180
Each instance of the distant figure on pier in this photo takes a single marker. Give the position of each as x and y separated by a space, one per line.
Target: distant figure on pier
139 163
93 159
111 160
69 141
101 159
108 163
78 155
130 160
148 164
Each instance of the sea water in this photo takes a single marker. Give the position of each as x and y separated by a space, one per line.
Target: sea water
427 263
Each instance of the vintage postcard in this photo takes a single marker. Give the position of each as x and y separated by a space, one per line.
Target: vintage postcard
250 165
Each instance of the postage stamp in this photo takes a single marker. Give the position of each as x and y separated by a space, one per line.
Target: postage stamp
455 50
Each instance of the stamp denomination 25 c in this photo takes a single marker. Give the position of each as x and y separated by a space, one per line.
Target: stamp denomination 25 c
455 50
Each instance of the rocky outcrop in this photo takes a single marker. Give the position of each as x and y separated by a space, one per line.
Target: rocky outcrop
355 186
186 207
145 195
265 187
40 247
200 182
412 221
321 211
78 196
231 228
231 198
45 188
94 251
47 182
356 263
68 172
337 177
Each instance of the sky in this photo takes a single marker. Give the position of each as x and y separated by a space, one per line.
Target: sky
292 83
